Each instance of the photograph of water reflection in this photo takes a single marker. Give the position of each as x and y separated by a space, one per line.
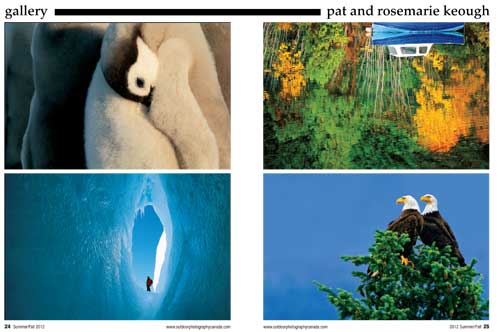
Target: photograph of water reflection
337 98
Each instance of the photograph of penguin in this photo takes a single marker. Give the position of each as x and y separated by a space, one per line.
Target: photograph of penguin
219 39
18 89
169 69
64 58
175 107
118 133
146 96
203 83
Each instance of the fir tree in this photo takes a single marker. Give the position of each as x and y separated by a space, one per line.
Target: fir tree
435 286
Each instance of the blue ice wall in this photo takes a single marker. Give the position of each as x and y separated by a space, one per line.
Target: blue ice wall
68 247
199 264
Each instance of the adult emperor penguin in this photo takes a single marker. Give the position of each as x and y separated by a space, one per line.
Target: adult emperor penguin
187 70
176 111
118 131
18 88
219 38
64 58
437 230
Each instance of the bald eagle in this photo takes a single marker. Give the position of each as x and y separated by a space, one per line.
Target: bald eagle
437 230
410 222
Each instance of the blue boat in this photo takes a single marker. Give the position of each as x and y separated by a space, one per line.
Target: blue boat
415 39
418 38
420 27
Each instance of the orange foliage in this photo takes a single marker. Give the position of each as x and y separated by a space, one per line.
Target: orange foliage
449 110
285 26
289 70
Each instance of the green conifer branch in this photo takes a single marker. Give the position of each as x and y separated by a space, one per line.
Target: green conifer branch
436 287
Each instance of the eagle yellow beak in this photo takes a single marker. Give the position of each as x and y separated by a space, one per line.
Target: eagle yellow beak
401 200
425 199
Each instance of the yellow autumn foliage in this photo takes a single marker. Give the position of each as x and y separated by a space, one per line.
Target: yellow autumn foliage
448 111
418 64
484 37
289 70
266 95
436 59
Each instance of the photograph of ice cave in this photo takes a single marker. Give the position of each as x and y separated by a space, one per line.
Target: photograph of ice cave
376 95
117 246
376 247
117 95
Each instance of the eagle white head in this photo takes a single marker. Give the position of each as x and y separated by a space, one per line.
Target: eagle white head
432 203
409 203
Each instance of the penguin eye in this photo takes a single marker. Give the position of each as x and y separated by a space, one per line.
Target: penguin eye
139 82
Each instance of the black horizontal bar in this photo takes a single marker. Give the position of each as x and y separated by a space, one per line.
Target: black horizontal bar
187 12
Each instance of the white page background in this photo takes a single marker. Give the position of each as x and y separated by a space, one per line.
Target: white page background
247 157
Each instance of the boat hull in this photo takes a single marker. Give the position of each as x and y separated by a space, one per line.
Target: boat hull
438 38
419 26
417 33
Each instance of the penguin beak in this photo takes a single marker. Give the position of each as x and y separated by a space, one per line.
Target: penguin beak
149 98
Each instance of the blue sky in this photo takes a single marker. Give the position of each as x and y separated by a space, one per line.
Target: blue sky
146 233
310 220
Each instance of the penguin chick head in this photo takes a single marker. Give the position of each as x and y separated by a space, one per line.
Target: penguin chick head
141 75
129 65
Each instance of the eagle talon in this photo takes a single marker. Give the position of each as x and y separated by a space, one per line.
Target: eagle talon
406 261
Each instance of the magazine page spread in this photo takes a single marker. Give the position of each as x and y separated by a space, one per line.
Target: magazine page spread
287 166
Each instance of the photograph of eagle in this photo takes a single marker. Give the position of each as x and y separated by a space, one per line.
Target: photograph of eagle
410 221
429 226
370 250
437 230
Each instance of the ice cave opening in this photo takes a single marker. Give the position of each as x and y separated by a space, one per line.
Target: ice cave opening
148 247
79 228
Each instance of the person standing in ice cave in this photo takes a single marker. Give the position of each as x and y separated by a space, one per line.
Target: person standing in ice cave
149 282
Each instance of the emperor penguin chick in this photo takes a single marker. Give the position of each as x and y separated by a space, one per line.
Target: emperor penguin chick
176 112
118 133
